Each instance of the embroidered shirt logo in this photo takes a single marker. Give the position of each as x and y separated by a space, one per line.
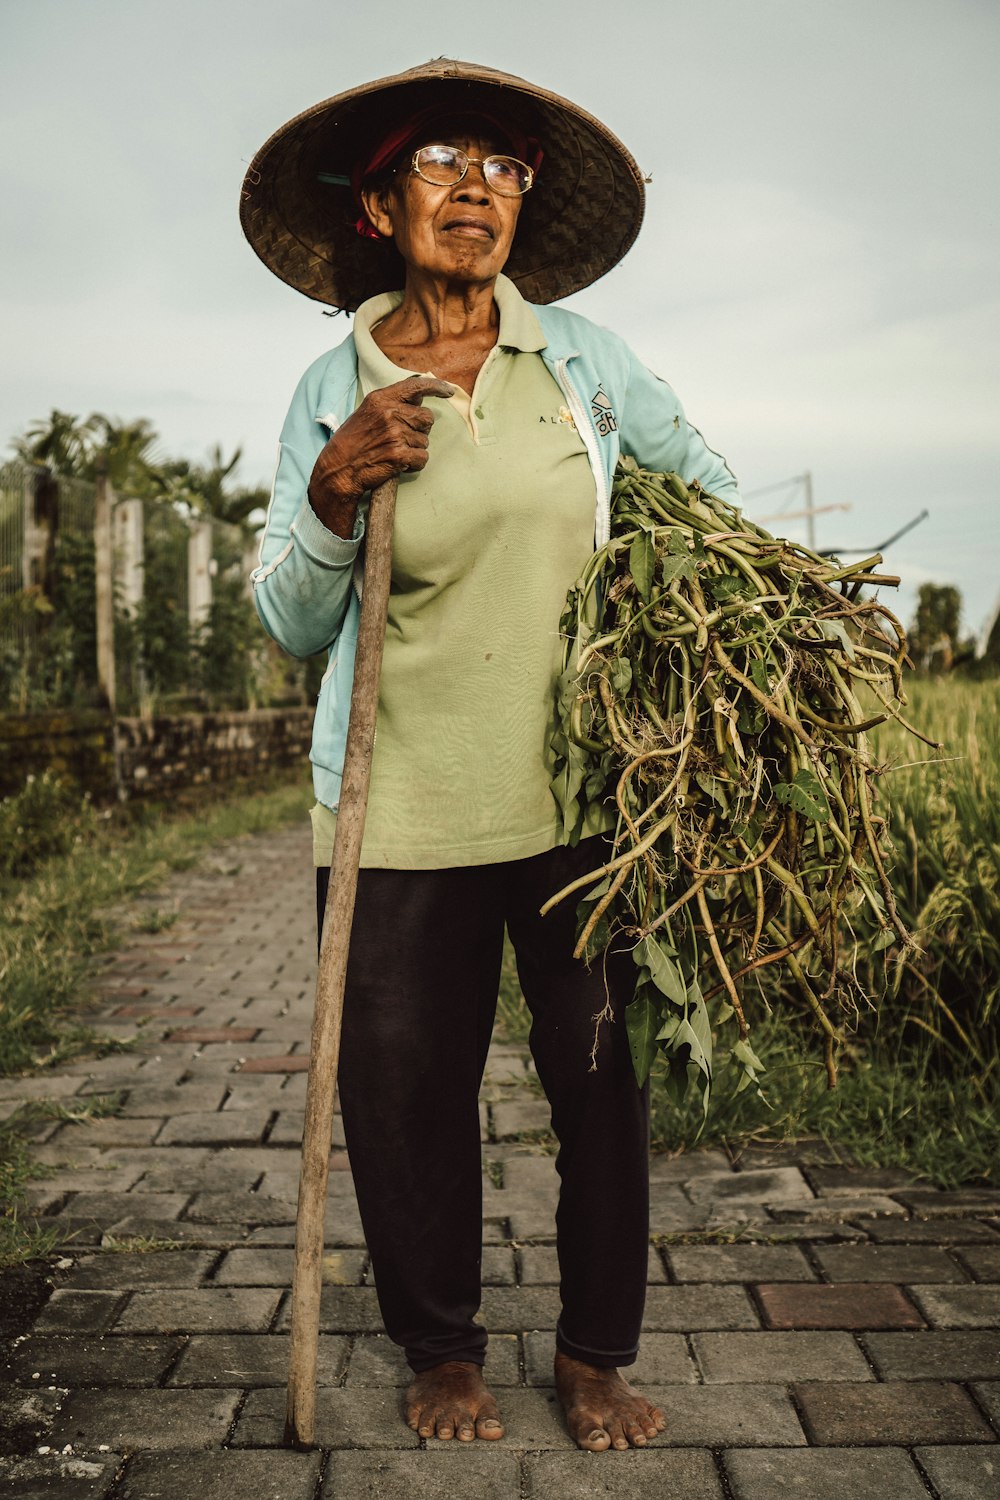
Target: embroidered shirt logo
603 413
564 416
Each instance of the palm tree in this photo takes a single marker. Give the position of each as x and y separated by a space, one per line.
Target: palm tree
126 448
64 443
73 446
203 489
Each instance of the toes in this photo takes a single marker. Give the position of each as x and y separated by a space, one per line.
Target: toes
618 1438
488 1423
428 1419
445 1427
657 1420
635 1434
592 1436
465 1429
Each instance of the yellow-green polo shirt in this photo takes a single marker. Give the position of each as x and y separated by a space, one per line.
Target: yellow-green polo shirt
488 539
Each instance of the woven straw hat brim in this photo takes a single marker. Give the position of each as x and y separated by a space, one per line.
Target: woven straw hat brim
577 222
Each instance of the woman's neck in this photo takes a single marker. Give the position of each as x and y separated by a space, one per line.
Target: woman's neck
447 327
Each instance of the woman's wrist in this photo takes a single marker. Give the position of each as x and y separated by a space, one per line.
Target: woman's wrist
338 513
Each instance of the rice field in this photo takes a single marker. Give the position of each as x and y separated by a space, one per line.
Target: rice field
946 875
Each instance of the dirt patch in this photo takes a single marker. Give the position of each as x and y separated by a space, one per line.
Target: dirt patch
24 1291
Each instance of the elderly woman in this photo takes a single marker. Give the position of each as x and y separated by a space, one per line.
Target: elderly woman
503 420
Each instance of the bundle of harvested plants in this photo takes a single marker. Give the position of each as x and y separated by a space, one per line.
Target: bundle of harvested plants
717 686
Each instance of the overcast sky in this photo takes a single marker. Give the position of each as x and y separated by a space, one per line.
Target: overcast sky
817 273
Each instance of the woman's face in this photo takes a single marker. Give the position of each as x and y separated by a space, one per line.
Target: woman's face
463 232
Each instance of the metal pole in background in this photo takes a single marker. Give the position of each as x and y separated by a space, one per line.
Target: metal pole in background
810 512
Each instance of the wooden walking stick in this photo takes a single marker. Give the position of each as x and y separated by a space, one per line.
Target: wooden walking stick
324 1047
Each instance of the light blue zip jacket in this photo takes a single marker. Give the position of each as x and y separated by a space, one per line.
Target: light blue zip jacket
303 585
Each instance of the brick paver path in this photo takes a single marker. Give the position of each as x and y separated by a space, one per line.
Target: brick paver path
812 1329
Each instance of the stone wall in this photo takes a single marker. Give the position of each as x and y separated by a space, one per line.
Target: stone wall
156 755
78 746
133 757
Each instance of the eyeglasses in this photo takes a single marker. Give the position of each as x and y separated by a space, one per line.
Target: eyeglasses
446 165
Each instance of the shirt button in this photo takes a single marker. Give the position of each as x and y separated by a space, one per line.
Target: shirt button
480 413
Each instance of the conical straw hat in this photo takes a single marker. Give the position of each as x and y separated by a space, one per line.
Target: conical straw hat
577 221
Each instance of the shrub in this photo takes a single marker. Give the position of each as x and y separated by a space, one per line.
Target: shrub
46 817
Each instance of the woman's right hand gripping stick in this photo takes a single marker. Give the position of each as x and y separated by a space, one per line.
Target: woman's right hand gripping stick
387 435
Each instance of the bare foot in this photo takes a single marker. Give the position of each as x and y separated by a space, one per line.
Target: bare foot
601 1409
452 1400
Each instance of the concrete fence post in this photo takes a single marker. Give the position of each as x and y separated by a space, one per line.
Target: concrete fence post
200 572
104 559
130 554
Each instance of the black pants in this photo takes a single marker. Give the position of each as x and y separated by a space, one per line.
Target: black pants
420 1002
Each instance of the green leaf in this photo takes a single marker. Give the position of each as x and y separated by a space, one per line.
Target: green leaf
835 630
700 1023
662 970
641 1020
758 675
743 1054
641 562
710 786
621 675
748 829
566 786
752 718
727 586
698 1060
594 785
675 1082
678 567
805 793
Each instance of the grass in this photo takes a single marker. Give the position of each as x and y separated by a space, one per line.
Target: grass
64 908
946 828
884 1112
23 1239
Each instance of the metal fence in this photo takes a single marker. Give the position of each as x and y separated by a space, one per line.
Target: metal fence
127 603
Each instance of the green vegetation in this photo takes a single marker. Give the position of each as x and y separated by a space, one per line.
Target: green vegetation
935 640
163 661
919 1081
946 829
128 453
23 1239
716 700
73 869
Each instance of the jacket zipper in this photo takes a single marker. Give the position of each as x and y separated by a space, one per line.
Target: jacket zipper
585 427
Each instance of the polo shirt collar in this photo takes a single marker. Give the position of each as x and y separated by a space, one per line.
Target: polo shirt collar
519 328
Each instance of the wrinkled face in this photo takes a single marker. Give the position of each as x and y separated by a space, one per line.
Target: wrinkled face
463 232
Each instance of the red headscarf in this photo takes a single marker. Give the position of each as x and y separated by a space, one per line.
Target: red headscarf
523 146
